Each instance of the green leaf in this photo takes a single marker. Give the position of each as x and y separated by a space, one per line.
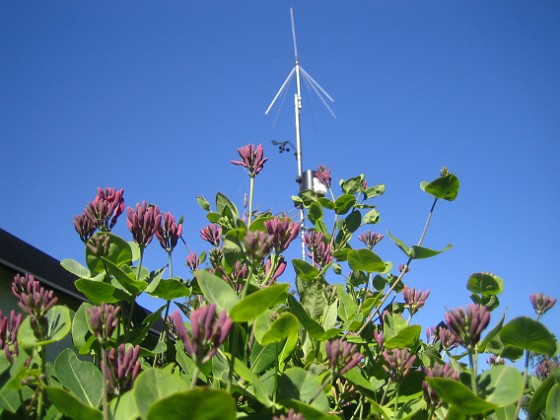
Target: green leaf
300 384
552 409
374 191
485 284
256 303
153 385
347 308
419 252
538 402
216 290
171 289
344 203
233 252
371 217
260 391
527 334
59 324
75 267
326 203
392 325
455 393
403 247
124 407
352 185
365 260
283 327
315 212
263 356
304 270
197 404
446 187
312 327
98 292
203 203
222 202
83 379
132 286
407 337
119 252
71 406
501 385
353 221
80 326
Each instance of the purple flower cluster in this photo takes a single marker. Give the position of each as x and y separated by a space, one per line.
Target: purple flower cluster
169 233
122 368
8 334
438 371
207 332
414 299
283 232
467 325
251 158
323 174
212 234
280 268
545 367
258 245
101 213
193 261
541 303
370 239
35 301
103 320
398 362
143 222
319 250
342 356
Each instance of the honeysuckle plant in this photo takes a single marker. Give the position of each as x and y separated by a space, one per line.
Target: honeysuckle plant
256 334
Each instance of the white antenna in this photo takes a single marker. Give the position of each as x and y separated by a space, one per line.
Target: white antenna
299 72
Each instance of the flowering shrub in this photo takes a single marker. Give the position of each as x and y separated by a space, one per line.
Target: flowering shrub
245 343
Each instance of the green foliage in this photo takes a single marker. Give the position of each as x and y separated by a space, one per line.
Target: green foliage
335 347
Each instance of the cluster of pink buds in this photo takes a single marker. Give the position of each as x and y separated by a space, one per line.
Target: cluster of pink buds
283 232
169 232
207 332
103 320
258 245
323 174
280 268
545 367
143 222
102 213
35 301
318 249
122 368
251 158
467 325
414 299
239 272
398 363
541 303
370 239
193 261
342 356
8 334
212 234
438 371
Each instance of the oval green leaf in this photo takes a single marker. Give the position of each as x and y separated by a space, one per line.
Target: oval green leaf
445 187
501 385
171 289
365 260
527 334
59 324
153 385
71 406
216 290
455 393
198 404
407 337
485 284
98 292
256 303
283 327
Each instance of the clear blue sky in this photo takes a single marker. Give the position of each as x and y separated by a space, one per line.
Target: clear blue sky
155 97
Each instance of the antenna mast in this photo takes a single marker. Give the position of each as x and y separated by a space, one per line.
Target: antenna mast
300 73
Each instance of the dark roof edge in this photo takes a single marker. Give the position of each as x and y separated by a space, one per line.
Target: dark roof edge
24 258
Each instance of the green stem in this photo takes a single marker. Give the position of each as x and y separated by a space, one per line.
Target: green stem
473 359
133 304
194 380
251 189
396 401
401 275
39 411
105 379
167 306
525 379
232 361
